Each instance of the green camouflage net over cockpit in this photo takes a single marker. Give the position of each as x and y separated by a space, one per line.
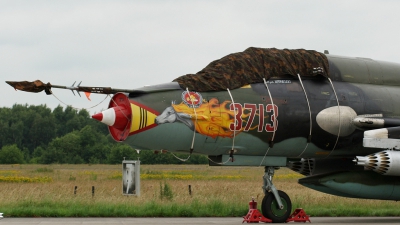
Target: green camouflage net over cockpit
251 66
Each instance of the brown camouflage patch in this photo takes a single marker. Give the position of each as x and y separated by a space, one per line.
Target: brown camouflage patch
251 66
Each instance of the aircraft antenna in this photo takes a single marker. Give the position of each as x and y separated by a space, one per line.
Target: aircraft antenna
39 86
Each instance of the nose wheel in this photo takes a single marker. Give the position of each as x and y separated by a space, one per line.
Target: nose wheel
271 209
276 204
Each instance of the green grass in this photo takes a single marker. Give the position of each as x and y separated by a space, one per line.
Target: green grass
210 196
195 208
48 208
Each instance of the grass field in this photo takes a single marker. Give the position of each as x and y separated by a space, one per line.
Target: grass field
48 191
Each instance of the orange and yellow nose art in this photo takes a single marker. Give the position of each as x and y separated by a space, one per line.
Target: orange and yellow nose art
213 119
226 119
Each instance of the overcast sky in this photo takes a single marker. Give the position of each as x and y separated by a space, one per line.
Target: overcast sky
129 44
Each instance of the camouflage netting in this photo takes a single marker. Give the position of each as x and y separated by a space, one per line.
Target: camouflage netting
251 66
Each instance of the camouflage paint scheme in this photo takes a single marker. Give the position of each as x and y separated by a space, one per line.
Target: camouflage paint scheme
279 128
293 115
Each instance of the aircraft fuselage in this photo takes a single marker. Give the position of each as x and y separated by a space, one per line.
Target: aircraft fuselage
251 121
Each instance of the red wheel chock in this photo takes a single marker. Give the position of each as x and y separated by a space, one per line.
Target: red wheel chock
299 215
254 216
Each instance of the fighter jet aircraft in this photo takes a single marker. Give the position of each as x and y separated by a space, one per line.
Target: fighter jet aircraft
334 119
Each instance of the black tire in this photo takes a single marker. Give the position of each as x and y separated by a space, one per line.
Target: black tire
270 208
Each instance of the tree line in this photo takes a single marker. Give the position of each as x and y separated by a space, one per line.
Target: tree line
37 134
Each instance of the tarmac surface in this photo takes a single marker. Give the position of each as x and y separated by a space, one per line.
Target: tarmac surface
180 220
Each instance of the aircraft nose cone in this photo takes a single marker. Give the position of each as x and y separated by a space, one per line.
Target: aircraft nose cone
108 116
98 116
118 117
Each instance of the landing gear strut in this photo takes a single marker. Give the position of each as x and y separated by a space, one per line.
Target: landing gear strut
276 205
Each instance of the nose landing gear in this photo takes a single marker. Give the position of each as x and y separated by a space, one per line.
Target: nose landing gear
276 204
